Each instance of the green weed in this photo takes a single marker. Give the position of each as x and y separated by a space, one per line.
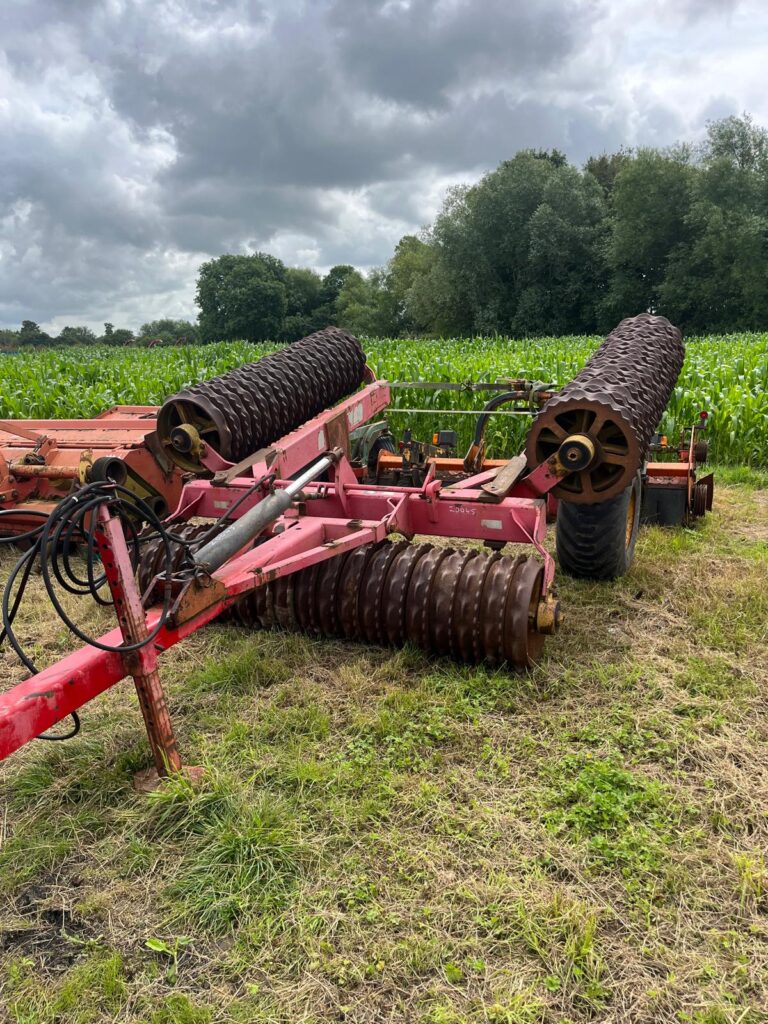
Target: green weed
625 819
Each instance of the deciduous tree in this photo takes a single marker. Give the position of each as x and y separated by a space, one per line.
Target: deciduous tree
242 297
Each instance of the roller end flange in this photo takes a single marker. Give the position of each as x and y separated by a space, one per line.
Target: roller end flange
599 426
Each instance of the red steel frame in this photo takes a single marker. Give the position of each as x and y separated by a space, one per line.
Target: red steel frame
335 516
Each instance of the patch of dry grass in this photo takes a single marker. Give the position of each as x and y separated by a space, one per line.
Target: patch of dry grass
381 837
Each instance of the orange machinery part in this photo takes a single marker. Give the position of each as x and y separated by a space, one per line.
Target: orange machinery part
393 461
122 432
678 469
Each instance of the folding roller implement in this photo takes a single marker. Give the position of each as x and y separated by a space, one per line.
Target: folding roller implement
275 525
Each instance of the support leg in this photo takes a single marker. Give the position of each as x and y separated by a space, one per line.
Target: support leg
140 664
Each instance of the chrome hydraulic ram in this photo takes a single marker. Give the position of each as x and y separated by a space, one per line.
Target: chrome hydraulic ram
216 552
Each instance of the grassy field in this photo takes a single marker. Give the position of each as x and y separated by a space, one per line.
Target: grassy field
728 376
386 838
381 837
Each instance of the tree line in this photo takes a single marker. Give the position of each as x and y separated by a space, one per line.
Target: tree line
536 247
540 247
156 332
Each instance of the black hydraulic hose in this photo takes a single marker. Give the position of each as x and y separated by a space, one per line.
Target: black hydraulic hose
64 541
94 585
54 541
27 560
30 534
148 513
493 403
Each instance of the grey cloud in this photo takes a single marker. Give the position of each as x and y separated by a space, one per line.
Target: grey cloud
220 214
417 53
718 107
142 136
696 9
48 273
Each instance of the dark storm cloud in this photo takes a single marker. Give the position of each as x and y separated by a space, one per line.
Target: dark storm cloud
338 96
419 53
142 136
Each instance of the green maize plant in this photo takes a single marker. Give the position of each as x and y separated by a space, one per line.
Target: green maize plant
726 376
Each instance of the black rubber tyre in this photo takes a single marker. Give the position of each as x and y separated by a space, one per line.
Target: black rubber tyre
597 542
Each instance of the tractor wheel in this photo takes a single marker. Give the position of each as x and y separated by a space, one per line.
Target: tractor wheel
597 542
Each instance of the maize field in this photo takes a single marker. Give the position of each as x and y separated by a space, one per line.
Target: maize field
725 375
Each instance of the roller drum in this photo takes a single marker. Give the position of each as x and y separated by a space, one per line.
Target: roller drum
470 605
248 408
617 400
473 606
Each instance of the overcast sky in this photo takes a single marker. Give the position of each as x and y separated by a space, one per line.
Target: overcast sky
140 137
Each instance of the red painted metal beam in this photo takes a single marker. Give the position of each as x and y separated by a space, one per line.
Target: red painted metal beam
38 703
34 706
329 430
142 663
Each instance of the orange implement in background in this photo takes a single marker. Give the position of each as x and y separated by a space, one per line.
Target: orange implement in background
41 461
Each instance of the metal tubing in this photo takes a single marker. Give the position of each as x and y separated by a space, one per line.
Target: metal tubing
467 412
53 472
219 550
